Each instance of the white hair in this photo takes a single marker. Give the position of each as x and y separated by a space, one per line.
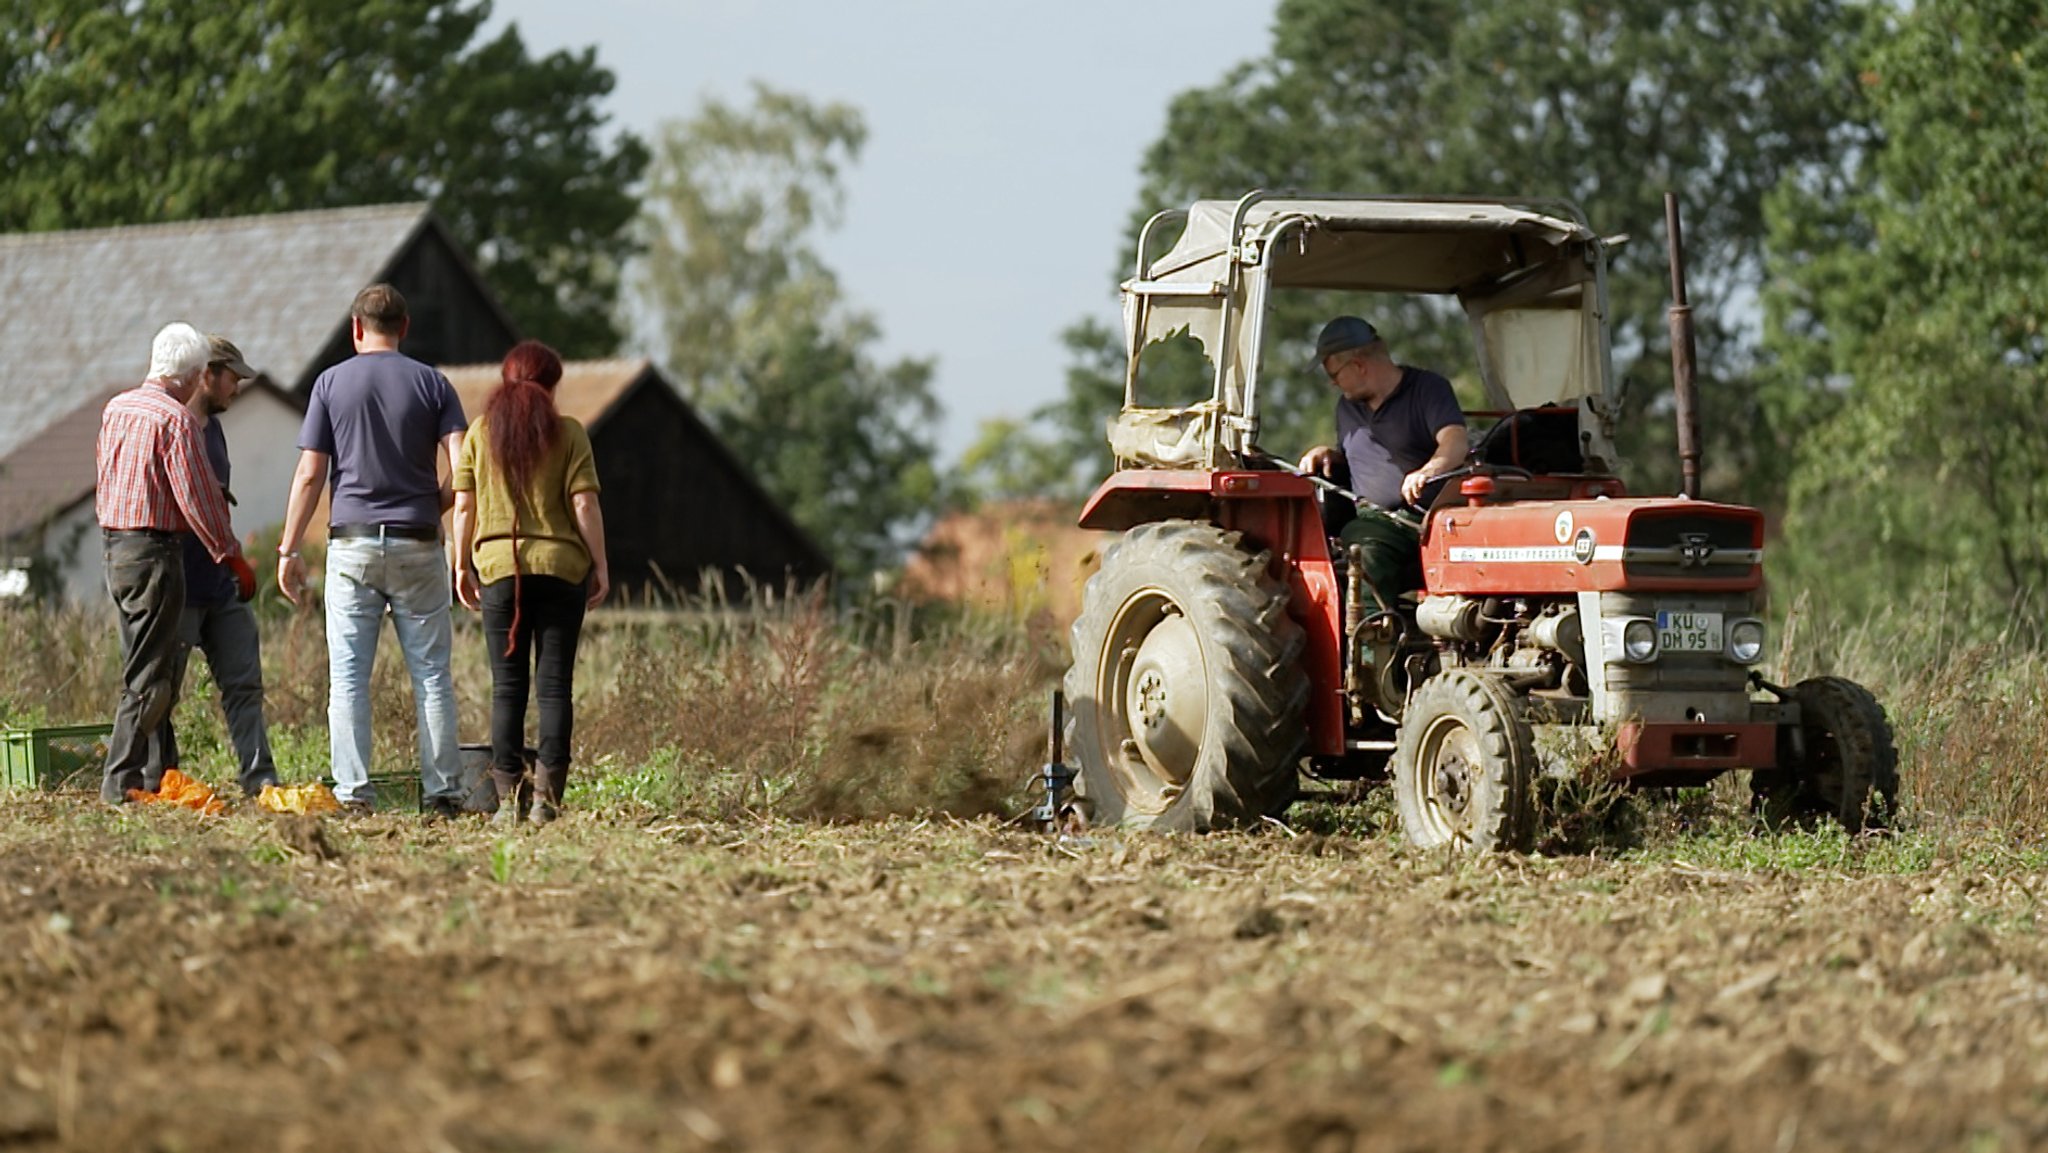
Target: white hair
178 354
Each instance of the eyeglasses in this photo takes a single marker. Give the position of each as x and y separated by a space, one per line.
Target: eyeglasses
1336 372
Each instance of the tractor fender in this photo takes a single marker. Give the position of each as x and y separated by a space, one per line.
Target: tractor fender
1274 511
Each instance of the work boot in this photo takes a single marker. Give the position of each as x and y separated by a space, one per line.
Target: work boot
547 792
508 785
113 789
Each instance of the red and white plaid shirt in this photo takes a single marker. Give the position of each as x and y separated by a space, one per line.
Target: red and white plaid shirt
153 471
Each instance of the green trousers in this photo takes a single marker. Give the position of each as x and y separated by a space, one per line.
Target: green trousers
1392 543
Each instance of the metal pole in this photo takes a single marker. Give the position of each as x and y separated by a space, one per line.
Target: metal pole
1683 387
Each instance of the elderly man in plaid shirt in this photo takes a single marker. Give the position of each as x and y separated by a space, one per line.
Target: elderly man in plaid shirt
155 483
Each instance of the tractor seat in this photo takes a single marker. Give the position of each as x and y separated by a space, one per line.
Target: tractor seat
1538 440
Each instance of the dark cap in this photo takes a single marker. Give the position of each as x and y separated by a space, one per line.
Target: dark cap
223 352
1342 335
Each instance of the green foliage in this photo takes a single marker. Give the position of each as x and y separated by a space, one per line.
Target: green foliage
150 110
504 858
757 333
1608 105
1918 300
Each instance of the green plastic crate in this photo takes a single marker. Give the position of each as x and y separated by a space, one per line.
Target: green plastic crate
54 756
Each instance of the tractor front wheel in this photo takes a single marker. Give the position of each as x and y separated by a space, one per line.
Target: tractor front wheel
1463 766
1845 767
1187 689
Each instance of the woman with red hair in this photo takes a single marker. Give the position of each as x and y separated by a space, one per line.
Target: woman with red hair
529 543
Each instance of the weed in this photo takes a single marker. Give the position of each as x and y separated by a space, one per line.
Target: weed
503 854
1582 808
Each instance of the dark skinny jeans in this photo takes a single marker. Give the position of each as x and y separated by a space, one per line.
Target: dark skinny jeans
544 656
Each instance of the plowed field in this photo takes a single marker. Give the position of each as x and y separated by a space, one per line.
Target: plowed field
176 983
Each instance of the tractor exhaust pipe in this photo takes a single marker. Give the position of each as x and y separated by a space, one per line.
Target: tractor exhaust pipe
1684 389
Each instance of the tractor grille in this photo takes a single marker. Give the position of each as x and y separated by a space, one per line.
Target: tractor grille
1687 546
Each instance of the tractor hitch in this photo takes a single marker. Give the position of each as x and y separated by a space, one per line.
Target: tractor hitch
1055 778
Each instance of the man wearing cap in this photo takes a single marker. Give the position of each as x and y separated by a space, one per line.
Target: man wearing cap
217 618
1399 428
152 486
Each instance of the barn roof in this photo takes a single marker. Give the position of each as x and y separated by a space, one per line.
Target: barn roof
588 390
85 303
47 473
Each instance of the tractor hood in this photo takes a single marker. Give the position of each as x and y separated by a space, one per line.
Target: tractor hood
1633 543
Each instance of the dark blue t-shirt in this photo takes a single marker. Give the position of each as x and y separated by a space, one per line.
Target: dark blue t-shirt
1382 447
207 581
379 417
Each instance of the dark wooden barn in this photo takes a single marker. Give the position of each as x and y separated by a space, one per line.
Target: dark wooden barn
677 503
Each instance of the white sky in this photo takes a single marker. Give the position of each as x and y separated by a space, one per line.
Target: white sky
1024 119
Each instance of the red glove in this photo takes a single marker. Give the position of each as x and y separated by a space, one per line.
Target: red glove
245 577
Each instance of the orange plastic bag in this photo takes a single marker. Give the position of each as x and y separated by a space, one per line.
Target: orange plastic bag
182 791
311 797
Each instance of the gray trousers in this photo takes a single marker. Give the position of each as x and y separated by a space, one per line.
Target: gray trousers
226 633
146 579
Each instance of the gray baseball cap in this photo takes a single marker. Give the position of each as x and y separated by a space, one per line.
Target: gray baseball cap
1342 335
225 354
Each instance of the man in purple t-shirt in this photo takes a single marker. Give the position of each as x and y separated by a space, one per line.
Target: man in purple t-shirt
1399 429
376 428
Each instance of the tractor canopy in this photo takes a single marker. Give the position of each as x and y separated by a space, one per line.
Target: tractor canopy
1530 276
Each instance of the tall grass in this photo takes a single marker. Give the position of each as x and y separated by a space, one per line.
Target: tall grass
782 704
1970 715
794 706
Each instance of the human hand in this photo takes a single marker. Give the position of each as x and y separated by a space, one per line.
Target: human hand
1319 461
1413 484
245 578
600 584
291 577
468 589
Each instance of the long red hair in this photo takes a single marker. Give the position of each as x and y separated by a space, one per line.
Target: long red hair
521 414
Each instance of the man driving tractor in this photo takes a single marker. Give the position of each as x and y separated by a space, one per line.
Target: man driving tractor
1399 428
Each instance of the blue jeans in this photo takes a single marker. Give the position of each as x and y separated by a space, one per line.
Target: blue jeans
409 579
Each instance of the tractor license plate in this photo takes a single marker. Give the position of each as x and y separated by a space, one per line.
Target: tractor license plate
1689 632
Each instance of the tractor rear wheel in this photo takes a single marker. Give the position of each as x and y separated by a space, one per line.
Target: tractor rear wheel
1463 766
1849 770
1187 690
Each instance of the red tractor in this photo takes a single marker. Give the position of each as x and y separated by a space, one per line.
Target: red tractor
1229 644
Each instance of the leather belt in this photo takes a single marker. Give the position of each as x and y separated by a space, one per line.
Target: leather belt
145 533
384 531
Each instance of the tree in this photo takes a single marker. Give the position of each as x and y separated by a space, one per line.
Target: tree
143 111
756 332
1918 300
1606 104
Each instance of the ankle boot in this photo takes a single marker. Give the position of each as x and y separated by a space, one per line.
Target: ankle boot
509 788
547 792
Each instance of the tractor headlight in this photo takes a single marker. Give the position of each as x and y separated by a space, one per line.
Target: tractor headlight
1639 641
1746 641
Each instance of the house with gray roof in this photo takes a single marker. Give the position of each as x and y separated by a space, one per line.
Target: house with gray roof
86 304
280 286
